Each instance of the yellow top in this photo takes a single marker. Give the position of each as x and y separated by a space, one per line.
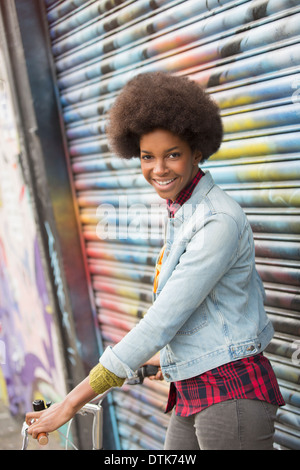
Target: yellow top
158 269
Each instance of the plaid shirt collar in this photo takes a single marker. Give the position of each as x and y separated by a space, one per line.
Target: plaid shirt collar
184 195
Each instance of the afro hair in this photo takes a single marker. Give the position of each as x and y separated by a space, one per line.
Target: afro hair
158 100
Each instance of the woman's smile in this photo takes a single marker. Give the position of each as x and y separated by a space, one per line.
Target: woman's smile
164 183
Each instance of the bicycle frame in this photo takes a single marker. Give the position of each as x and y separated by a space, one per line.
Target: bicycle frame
96 410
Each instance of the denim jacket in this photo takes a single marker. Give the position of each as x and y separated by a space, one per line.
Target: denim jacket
209 306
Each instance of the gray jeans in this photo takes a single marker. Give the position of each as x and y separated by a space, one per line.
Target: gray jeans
229 425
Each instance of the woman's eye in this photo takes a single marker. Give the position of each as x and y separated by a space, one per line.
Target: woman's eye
146 157
174 155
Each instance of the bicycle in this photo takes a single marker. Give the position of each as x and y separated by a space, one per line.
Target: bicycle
93 408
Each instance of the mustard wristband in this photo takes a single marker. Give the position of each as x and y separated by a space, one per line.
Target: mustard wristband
101 379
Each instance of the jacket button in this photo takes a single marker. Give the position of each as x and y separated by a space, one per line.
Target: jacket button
167 376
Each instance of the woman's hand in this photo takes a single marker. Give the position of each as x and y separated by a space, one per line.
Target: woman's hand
48 420
155 361
54 417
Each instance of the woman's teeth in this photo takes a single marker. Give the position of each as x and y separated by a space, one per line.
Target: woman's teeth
164 183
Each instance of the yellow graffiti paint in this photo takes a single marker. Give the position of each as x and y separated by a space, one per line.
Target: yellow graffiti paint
3 389
238 149
242 123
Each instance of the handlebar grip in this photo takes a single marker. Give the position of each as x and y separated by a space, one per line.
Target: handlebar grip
42 439
141 373
147 370
39 405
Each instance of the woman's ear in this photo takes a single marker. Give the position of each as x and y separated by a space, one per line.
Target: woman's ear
197 157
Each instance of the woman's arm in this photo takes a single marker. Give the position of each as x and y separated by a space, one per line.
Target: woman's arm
58 414
209 254
99 380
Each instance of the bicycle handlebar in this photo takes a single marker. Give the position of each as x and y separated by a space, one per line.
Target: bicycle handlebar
141 373
147 370
39 405
144 371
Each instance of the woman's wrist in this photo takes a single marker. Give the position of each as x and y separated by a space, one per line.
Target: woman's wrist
79 396
83 392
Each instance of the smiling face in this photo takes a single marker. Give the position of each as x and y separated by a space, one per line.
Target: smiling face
167 162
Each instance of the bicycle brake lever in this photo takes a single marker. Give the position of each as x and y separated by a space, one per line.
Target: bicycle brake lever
25 436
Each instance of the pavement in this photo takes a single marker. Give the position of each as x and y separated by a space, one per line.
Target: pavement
11 437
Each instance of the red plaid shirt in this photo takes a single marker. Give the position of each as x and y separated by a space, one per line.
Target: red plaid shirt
251 377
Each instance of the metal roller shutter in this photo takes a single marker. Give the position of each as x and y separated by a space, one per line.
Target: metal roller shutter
246 53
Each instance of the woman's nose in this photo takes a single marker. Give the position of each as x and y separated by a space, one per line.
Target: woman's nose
159 168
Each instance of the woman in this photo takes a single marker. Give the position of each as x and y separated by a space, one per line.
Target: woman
208 319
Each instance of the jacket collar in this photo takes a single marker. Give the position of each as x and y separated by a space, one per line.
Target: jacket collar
201 190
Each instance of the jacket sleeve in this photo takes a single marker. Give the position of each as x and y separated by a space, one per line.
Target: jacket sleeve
207 257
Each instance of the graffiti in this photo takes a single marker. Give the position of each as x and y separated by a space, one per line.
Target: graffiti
2 352
30 363
57 276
